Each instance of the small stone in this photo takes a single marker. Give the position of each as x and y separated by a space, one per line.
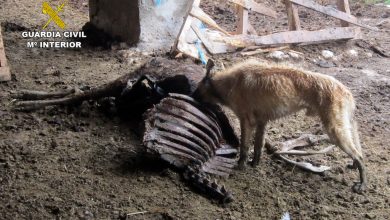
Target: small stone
353 53
277 55
88 214
325 64
294 55
57 199
325 211
237 214
370 216
327 54
368 54
369 72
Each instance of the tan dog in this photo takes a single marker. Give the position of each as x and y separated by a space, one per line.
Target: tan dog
259 93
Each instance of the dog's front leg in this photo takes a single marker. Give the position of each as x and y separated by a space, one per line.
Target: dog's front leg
244 146
259 143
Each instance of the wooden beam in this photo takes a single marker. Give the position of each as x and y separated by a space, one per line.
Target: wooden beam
5 74
293 18
302 36
242 21
343 5
331 12
297 37
180 42
251 29
212 47
205 41
202 16
267 50
256 7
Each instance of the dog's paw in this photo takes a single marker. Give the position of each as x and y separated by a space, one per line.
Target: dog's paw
359 188
255 163
241 165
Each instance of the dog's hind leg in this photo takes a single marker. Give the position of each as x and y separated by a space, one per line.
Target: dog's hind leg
355 135
259 143
356 140
340 130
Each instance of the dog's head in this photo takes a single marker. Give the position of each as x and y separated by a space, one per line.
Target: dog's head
207 91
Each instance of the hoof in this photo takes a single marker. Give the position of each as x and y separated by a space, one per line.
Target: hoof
359 188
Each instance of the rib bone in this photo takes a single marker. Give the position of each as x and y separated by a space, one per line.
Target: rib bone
178 122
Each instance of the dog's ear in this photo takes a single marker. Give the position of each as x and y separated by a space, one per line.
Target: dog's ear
209 66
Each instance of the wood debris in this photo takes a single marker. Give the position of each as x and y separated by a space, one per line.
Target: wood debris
201 37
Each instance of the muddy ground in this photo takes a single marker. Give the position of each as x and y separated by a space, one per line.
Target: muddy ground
80 163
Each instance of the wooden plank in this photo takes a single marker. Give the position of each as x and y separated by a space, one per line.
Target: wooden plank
242 21
187 49
331 12
302 36
343 5
256 7
293 18
201 15
297 37
251 29
180 42
267 50
5 74
212 47
205 41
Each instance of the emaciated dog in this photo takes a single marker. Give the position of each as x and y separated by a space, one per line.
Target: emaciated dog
258 93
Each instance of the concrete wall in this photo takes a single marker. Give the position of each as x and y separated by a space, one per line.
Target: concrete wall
154 27
160 24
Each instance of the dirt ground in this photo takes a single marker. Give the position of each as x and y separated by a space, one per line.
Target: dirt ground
81 164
